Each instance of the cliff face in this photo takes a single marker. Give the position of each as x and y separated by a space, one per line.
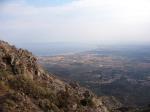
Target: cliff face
26 87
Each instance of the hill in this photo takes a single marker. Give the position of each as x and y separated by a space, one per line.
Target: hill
26 87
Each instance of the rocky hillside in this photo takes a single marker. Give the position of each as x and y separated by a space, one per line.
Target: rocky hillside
26 87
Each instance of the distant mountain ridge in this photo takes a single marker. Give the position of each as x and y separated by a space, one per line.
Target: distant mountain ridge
55 48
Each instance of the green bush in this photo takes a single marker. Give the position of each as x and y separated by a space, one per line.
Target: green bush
31 88
87 102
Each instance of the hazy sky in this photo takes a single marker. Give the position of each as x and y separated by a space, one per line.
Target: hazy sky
100 21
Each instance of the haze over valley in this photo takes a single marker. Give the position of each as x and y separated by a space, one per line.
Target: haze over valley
120 71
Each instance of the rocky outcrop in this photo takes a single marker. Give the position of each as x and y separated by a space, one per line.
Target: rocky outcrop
19 60
26 87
